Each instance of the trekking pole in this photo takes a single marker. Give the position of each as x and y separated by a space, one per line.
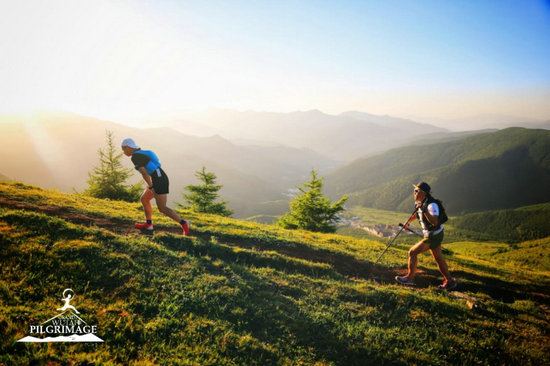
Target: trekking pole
411 231
396 235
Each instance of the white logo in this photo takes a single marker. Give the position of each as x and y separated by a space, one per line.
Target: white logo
67 299
64 327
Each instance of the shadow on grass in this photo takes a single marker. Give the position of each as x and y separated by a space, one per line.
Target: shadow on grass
199 247
500 290
275 318
345 265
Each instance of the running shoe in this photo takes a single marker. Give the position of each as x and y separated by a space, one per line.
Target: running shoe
404 280
449 285
144 226
186 225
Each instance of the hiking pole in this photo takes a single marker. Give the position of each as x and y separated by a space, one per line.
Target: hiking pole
396 235
411 231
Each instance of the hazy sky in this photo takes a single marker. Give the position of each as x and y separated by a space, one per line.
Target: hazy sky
127 60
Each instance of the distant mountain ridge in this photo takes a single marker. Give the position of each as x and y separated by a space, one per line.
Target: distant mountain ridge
343 137
401 124
486 121
490 171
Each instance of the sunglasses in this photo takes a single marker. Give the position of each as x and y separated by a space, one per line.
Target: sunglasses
417 191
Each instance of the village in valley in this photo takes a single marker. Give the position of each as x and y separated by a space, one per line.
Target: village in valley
379 230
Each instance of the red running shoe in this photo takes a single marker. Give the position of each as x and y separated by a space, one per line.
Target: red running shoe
449 285
143 226
186 225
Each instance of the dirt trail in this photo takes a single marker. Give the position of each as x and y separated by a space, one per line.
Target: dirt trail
343 264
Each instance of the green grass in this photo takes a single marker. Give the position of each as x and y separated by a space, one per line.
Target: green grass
512 226
263 219
242 293
530 255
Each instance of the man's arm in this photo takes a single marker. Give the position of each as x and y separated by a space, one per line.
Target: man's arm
430 214
411 219
146 176
433 219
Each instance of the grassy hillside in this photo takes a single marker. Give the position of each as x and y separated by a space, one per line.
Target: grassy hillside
513 226
242 293
533 255
490 171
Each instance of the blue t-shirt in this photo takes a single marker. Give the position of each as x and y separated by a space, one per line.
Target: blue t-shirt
147 159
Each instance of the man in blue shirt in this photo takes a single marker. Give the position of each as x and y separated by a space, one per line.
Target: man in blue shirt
147 163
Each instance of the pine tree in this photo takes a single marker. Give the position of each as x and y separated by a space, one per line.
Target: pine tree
202 197
312 211
108 178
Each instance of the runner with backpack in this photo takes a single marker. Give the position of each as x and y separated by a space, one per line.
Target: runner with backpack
431 215
147 163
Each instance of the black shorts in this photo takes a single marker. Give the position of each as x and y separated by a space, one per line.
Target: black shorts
434 240
160 181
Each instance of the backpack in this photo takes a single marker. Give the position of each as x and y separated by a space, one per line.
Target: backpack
443 218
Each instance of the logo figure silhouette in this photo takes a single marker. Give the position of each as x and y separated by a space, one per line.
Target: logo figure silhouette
67 298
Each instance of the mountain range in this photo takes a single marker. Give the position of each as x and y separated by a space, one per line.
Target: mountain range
272 153
489 171
258 160
485 121
342 137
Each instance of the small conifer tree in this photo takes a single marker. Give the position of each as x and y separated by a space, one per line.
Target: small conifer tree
202 198
107 180
312 211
